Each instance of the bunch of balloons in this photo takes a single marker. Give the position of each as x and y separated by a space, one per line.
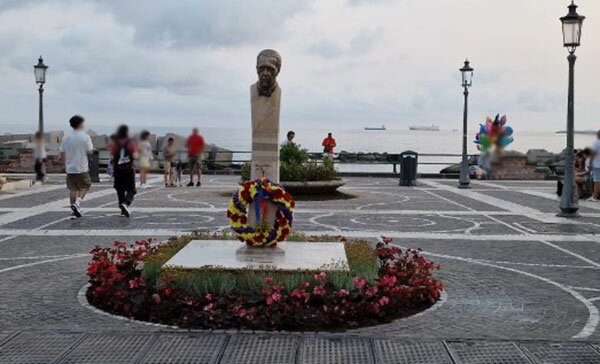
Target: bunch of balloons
495 132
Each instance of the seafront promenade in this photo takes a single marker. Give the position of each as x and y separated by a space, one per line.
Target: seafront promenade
521 285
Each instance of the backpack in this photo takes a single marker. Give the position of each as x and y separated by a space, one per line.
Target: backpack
124 158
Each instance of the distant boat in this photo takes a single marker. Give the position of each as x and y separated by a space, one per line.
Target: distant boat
371 128
431 127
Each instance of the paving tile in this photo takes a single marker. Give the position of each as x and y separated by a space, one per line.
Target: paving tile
481 352
108 348
261 349
32 347
400 352
185 349
562 353
335 350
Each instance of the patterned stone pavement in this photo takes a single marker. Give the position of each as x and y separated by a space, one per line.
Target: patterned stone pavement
522 286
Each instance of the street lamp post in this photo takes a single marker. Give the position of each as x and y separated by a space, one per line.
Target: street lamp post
571 26
40 78
467 80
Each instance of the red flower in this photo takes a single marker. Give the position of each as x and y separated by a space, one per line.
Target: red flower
268 280
133 284
383 301
319 291
321 276
156 298
360 282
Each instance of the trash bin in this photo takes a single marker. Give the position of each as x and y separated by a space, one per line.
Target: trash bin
408 168
94 164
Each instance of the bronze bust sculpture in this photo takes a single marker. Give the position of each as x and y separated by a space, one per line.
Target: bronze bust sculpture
268 65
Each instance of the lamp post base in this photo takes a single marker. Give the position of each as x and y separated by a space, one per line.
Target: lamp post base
568 213
464 185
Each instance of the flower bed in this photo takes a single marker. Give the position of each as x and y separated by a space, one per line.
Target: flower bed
127 280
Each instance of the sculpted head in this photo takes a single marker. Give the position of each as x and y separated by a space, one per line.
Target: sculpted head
268 65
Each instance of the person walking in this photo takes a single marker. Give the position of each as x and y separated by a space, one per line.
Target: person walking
122 156
169 152
39 153
595 167
145 158
74 150
195 147
328 145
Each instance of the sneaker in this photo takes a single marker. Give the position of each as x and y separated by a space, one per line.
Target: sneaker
191 184
198 184
76 211
124 210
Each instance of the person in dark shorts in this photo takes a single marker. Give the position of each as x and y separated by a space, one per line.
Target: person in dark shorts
122 156
195 146
74 150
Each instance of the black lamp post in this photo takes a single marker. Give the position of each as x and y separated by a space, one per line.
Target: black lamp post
40 78
571 26
467 80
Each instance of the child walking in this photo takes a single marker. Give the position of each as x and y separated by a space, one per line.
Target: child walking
123 154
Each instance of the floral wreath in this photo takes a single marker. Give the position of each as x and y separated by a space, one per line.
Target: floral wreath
261 191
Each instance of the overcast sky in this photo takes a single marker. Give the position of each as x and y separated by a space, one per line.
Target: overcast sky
346 63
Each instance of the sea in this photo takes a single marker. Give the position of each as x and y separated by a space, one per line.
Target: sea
360 140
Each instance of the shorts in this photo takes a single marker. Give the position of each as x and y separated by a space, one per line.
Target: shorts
145 163
596 175
195 161
168 165
79 181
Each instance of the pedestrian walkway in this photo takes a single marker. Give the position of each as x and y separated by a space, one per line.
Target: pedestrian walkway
520 283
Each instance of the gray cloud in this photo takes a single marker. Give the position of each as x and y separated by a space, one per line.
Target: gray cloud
326 48
205 23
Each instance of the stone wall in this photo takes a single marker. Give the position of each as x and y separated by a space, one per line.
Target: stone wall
24 163
517 168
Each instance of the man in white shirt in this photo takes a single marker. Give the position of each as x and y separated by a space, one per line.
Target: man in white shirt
595 164
75 149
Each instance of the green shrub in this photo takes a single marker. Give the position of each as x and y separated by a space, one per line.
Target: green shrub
296 166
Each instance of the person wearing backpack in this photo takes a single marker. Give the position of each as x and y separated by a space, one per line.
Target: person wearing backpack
122 156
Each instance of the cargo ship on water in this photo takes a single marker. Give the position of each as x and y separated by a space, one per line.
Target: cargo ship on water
431 127
375 128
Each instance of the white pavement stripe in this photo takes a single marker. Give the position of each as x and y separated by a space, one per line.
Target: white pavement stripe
571 253
586 289
32 191
345 233
594 299
593 318
515 208
446 199
42 262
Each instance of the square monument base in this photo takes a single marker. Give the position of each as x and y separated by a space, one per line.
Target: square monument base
233 255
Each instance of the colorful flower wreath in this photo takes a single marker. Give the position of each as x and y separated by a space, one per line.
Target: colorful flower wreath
261 192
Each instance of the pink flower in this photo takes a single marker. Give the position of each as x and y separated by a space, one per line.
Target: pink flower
156 298
133 284
273 298
360 282
242 312
371 291
321 276
343 293
268 280
319 291
209 297
384 301
209 307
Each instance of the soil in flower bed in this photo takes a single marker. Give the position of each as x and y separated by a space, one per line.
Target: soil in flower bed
384 283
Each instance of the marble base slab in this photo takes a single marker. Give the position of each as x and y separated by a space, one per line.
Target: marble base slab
233 255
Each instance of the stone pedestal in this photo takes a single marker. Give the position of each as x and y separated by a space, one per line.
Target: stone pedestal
231 255
265 134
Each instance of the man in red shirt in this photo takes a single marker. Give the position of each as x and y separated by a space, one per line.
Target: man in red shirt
328 145
195 147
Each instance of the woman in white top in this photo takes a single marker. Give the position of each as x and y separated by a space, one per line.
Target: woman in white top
145 150
595 164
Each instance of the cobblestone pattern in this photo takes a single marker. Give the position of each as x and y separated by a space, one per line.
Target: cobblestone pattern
208 348
497 289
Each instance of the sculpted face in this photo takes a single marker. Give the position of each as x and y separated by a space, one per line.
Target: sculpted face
268 65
